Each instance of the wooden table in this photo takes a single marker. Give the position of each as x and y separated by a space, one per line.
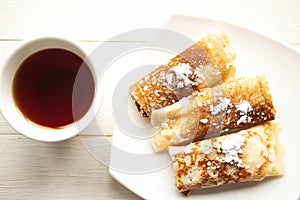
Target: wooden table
65 170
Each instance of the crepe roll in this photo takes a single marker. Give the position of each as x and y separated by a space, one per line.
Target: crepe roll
247 155
231 106
205 64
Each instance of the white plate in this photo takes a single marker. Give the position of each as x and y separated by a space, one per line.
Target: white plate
256 54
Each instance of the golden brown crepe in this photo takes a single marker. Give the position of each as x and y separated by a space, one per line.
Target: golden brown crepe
248 155
232 106
205 64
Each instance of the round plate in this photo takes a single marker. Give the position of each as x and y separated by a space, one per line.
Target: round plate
255 54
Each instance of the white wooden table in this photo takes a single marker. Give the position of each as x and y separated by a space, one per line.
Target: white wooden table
65 170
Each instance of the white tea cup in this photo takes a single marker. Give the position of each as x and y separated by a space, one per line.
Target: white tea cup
11 102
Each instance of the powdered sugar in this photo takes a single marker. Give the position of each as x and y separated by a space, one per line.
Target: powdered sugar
188 149
231 147
221 107
244 107
182 72
204 120
206 146
244 119
199 76
169 78
183 76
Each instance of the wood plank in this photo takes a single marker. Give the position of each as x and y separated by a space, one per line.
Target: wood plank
64 170
100 20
